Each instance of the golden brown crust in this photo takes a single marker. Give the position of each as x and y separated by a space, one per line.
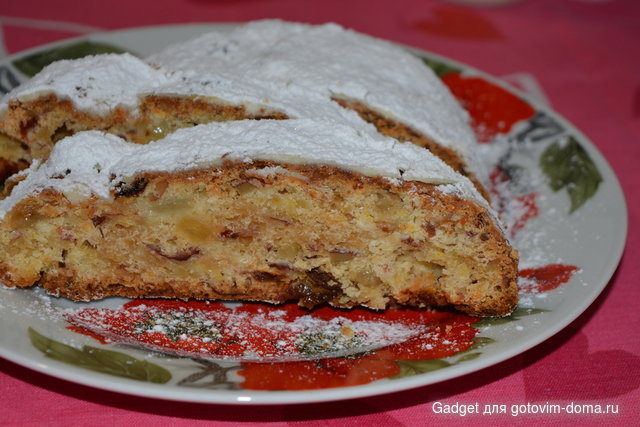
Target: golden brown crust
316 235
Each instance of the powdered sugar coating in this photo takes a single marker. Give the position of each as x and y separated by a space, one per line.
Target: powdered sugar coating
94 83
85 164
295 68
285 63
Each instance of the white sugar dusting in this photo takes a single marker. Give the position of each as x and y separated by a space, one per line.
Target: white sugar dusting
304 338
298 68
94 83
89 163
293 68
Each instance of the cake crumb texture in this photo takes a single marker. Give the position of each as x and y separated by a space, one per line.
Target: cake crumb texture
316 235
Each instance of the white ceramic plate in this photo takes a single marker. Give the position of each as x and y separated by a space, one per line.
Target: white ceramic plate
591 238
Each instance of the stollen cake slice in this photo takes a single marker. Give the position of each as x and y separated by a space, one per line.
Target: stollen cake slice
268 210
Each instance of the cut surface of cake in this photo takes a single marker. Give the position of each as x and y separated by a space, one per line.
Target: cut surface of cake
264 69
270 210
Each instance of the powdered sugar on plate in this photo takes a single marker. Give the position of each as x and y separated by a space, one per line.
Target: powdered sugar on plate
245 332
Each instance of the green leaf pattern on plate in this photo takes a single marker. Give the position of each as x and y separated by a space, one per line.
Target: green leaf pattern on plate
569 166
8 80
416 367
515 315
479 343
100 360
440 68
32 64
566 165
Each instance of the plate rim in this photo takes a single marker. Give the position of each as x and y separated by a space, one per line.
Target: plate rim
254 397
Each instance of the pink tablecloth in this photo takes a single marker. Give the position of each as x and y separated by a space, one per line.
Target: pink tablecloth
582 55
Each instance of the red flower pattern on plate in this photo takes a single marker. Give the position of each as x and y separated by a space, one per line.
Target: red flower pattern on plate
518 209
543 279
440 334
448 334
493 109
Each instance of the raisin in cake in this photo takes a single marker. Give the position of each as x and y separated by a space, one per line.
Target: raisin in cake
265 69
269 210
